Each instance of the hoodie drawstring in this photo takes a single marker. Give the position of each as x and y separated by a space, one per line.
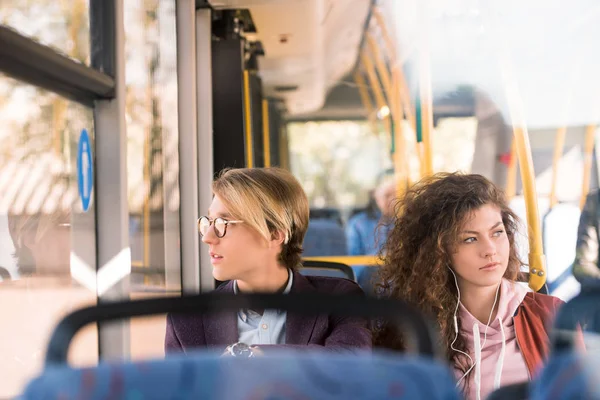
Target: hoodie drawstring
500 363
477 348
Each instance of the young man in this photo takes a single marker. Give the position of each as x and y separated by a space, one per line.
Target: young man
255 228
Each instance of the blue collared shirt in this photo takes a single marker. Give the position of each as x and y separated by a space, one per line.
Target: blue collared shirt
268 328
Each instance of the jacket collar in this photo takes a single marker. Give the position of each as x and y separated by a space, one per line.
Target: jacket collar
220 329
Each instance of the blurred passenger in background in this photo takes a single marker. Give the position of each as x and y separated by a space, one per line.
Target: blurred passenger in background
585 267
367 231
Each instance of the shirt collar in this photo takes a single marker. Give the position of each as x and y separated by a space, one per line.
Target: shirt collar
287 289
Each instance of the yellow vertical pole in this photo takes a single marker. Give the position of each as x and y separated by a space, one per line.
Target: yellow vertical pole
146 206
366 100
400 154
391 90
375 85
382 69
284 149
248 121
266 133
426 111
393 54
384 32
559 144
588 150
537 260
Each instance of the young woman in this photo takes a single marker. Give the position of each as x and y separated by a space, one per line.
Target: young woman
452 254
254 229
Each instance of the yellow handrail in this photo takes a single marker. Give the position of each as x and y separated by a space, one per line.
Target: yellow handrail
559 144
588 150
248 121
266 133
371 261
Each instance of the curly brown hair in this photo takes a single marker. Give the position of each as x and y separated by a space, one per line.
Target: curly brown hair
418 249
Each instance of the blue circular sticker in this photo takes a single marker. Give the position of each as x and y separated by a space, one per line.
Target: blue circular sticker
85 173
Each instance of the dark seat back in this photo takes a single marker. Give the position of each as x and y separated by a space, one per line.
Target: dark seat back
325 268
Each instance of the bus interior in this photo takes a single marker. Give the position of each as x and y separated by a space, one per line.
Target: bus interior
116 115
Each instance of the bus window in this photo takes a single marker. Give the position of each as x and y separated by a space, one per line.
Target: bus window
47 240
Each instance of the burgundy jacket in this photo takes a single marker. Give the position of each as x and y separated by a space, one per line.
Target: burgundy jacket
533 321
186 332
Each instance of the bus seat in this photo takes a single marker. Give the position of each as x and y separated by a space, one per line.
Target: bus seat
516 391
569 375
324 238
281 375
290 373
326 268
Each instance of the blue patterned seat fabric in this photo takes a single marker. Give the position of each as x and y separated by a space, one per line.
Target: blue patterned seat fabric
283 375
569 376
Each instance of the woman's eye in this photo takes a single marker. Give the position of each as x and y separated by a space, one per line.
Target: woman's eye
469 240
498 233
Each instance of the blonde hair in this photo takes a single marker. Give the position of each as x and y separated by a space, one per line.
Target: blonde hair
269 200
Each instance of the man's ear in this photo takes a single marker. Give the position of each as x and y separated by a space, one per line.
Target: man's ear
280 238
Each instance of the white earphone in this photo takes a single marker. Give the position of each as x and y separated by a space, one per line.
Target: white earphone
456 327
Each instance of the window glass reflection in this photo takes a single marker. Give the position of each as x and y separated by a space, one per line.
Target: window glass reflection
62 25
42 229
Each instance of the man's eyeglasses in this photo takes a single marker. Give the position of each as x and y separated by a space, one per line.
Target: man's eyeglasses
219 225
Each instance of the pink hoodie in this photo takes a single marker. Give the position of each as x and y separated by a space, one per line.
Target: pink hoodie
498 360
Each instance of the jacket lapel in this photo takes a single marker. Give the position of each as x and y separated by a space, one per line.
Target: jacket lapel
221 328
299 327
